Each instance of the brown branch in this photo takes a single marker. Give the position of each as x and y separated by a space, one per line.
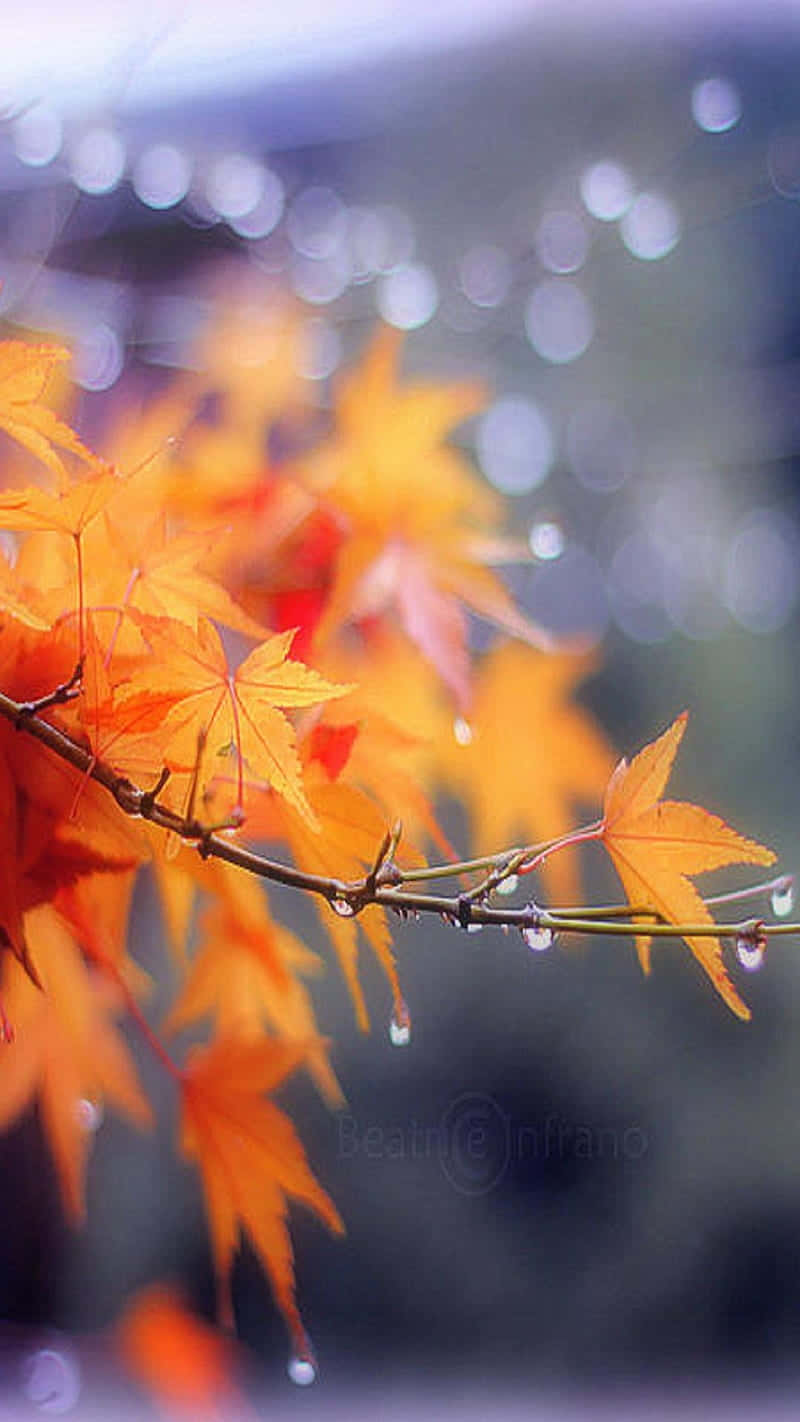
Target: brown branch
384 884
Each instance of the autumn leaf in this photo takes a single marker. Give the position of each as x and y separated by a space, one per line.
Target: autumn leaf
245 974
420 526
528 756
350 830
69 511
68 1054
159 574
251 1163
187 1365
189 689
24 374
655 844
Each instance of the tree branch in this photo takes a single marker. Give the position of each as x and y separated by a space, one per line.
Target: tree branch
385 884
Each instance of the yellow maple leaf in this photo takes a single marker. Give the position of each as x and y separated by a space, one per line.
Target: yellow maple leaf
654 844
68 1054
24 374
420 524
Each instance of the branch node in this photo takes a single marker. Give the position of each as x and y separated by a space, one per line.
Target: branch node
148 798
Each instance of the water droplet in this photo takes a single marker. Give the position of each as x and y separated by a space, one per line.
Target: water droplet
539 939
546 541
751 952
462 731
400 1026
89 1114
508 886
782 898
342 907
301 1370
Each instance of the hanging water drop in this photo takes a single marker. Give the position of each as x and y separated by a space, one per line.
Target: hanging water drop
343 907
301 1370
751 952
539 938
400 1026
782 898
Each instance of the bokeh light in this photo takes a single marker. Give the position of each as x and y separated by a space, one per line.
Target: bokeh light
37 135
514 445
607 190
97 160
651 227
716 105
161 175
559 321
407 297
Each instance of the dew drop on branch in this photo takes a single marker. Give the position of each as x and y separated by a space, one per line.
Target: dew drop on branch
343 907
539 939
782 898
750 952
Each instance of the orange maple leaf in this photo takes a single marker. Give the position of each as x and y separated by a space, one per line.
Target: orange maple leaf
654 844
528 756
420 526
244 973
251 1162
159 574
189 691
24 373
69 511
187 1365
68 1053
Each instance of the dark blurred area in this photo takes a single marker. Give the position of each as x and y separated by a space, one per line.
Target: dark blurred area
575 1183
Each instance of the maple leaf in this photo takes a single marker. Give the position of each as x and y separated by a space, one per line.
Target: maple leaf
159 575
69 511
243 973
67 1050
350 829
187 1365
416 516
190 690
528 756
654 844
251 1162
24 373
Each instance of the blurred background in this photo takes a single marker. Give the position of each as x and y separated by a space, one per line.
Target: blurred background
595 209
